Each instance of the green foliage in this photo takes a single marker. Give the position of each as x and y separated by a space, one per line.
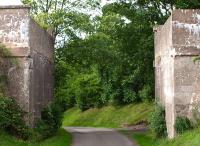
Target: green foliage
188 138
122 54
5 52
119 43
83 90
183 124
157 122
3 82
51 121
145 139
185 4
62 138
146 93
66 18
12 118
87 90
129 96
64 81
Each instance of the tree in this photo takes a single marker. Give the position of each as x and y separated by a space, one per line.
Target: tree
105 58
67 18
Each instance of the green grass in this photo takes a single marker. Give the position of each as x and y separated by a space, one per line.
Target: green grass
189 138
61 139
110 116
145 139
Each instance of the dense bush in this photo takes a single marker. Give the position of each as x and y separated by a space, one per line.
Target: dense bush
12 118
182 124
51 120
157 122
87 90
146 93
65 98
64 90
130 96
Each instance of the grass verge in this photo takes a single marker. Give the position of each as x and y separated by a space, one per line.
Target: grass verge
189 138
61 139
110 116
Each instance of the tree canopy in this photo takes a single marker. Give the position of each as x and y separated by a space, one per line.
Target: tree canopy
104 55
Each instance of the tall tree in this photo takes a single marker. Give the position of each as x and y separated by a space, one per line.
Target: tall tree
67 18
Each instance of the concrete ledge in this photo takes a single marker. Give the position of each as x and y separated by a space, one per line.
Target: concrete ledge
18 52
15 7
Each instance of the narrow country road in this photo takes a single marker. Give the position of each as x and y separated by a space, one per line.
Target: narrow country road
98 137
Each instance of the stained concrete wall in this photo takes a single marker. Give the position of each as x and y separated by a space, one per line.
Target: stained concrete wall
186 32
41 44
177 76
30 78
164 63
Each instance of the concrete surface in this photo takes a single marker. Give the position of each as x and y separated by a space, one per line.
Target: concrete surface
177 85
98 137
30 79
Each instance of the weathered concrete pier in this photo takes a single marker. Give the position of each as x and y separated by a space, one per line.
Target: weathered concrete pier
30 80
177 42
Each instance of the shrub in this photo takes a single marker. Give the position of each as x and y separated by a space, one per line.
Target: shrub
182 124
12 118
157 122
107 93
88 91
65 98
130 96
146 93
51 120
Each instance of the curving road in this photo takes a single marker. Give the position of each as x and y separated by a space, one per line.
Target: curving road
98 137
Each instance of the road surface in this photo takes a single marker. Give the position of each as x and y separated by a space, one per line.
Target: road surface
98 137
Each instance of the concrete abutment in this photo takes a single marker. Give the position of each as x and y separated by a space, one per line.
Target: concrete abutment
30 80
177 76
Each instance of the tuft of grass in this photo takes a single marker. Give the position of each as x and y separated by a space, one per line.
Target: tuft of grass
61 139
110 116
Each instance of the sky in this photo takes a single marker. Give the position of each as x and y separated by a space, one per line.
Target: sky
18 2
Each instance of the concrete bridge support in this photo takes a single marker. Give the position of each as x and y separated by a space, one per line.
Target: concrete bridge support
30 78
177 88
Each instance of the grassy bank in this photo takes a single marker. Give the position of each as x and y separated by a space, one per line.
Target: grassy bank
110 116
190 138
61 139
